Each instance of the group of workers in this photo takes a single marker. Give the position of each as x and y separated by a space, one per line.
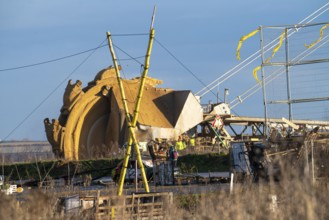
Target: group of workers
181 143
184 141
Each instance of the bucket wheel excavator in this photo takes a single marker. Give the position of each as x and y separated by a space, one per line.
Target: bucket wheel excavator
92 119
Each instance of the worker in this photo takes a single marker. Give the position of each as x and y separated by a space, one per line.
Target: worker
180 144
172 155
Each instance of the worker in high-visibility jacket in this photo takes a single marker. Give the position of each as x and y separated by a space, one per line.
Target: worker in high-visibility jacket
180 144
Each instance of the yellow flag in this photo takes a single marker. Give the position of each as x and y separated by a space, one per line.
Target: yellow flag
317 41
243 39
276 48
255 73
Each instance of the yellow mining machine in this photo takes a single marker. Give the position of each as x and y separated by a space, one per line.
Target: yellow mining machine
92 120
111 112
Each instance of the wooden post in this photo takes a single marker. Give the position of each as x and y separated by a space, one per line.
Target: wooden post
313 172
97 203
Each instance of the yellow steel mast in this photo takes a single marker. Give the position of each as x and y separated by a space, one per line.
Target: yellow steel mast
132 123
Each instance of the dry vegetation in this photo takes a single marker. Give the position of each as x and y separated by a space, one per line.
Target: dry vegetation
291 198
293 201
295 196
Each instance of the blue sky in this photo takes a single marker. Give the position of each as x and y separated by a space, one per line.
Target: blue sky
202 35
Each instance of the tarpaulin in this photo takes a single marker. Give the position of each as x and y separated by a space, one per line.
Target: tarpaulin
318 40
276 48
243 39
255 73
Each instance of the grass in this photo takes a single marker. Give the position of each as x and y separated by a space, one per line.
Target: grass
293 197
